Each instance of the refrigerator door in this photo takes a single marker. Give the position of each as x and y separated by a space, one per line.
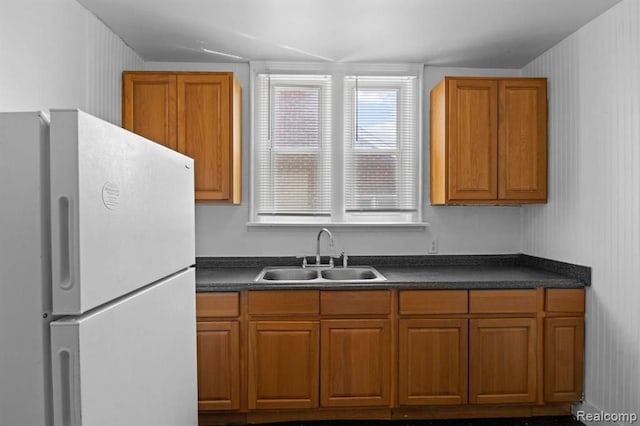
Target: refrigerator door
122 211
132 362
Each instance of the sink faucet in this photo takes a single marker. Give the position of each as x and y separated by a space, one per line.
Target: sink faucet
318 244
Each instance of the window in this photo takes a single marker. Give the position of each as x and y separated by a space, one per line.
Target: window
335 148
381 144
293 145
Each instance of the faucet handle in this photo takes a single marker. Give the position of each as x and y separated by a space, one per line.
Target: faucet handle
304 260
330 261
345 259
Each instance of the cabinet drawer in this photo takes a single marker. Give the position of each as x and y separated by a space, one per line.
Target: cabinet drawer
502 301
284 302
210 305
564 300
356 302
413 302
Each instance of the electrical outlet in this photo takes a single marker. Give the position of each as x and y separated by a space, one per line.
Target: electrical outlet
433 248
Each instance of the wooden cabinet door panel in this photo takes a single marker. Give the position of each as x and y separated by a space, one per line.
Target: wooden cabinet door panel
355 364
204 131
149 106
523 139
502 360
432 364
283 364
196 113
473 139
563 359
218 365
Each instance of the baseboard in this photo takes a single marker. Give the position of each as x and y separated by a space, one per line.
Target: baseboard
400 413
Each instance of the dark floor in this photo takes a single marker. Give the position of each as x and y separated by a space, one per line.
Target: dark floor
530 421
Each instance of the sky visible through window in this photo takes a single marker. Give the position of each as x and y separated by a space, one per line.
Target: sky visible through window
377 119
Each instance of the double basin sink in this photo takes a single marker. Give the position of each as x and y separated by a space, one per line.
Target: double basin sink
313 274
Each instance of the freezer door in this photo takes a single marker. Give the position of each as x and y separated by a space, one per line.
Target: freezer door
122 211
132 362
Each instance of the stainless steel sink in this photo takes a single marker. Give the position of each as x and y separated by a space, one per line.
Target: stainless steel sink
297 274
308 275
349 274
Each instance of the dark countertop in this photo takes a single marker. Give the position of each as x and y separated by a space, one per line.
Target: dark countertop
504 275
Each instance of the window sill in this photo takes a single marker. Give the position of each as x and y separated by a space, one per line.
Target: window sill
338 224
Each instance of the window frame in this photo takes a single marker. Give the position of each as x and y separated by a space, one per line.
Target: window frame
339 215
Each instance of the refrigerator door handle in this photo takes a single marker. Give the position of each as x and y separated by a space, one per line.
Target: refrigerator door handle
65 243
65 387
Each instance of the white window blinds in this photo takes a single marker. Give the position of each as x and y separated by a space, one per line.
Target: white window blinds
293 144
336 144
381 144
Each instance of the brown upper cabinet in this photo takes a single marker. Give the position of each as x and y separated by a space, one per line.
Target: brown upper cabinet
489 141
195 113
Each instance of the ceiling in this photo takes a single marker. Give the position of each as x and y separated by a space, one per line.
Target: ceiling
467 33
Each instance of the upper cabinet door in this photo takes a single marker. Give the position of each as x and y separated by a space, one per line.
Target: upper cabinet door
488 141
473 139
204 131
196 113
149 106
523 139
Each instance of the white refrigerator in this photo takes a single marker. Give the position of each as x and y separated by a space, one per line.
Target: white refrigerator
97 286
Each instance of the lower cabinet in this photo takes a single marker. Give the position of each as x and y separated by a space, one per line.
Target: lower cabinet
283 364
563 359
265 356
356 363
432 360
218 365
218 350
563 344
502 360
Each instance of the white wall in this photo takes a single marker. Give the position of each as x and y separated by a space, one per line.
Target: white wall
221 230
593 214
55 54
